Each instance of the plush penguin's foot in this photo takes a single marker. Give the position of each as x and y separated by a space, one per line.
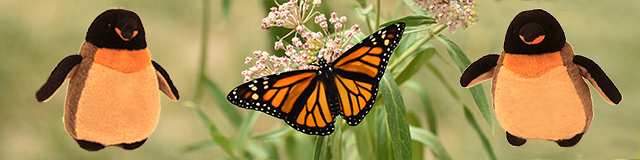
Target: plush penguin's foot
132 146
90 146
515 141
570 142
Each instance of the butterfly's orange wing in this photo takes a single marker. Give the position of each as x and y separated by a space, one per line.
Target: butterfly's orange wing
297 97
359 70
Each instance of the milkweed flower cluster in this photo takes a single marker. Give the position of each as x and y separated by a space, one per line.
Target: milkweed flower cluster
454 14
305 45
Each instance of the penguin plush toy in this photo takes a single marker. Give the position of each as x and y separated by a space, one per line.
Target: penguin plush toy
538 89
113 97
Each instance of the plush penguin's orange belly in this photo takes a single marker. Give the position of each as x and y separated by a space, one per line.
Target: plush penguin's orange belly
534 98
119 102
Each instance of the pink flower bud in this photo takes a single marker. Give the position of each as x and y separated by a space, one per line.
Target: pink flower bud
323 25
278 45
355 29
338 26
300 29
334 16
280 23
257 54
317 3
320 18
248 60
266 24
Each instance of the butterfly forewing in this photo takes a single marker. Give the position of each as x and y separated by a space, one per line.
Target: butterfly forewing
359 70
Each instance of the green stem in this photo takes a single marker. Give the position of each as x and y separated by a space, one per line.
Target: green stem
416 46
363 5
203 50
377 16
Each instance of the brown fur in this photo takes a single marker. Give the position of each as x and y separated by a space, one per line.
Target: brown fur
76 85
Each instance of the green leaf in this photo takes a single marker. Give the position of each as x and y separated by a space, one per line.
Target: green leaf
410 30
226 6
396 115
366 10
275 134
200 146
213 130
463 62
382 134
321 148
412 20
299 146
417 149
483 138
422 93
256 152
480 98
221 99
272 149
348 141
430 140
245 130
336 139
397 9
455 52
414 8
414 63
405 43
366 13
363 139
468 114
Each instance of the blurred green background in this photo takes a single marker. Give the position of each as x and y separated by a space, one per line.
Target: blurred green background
36 34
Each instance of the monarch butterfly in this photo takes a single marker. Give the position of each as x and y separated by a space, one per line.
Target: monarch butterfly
309 100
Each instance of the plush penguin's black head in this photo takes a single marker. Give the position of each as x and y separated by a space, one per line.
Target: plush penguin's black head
534 32
117 28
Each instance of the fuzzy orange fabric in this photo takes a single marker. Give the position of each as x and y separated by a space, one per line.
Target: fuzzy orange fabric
532 66
117 108
122 60
547 107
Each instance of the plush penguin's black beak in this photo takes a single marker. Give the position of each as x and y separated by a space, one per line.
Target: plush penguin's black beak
127 29
531 34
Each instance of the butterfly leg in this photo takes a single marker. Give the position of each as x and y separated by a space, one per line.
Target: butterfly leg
89 146
515 141
570 142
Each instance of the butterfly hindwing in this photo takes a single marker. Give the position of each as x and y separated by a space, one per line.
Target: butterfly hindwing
359 70
297 97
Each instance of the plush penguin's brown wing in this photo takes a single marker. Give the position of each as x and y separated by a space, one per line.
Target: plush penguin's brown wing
57 77
479 71
598 79
165 83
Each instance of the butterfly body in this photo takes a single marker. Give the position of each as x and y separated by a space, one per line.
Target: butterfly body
309 100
